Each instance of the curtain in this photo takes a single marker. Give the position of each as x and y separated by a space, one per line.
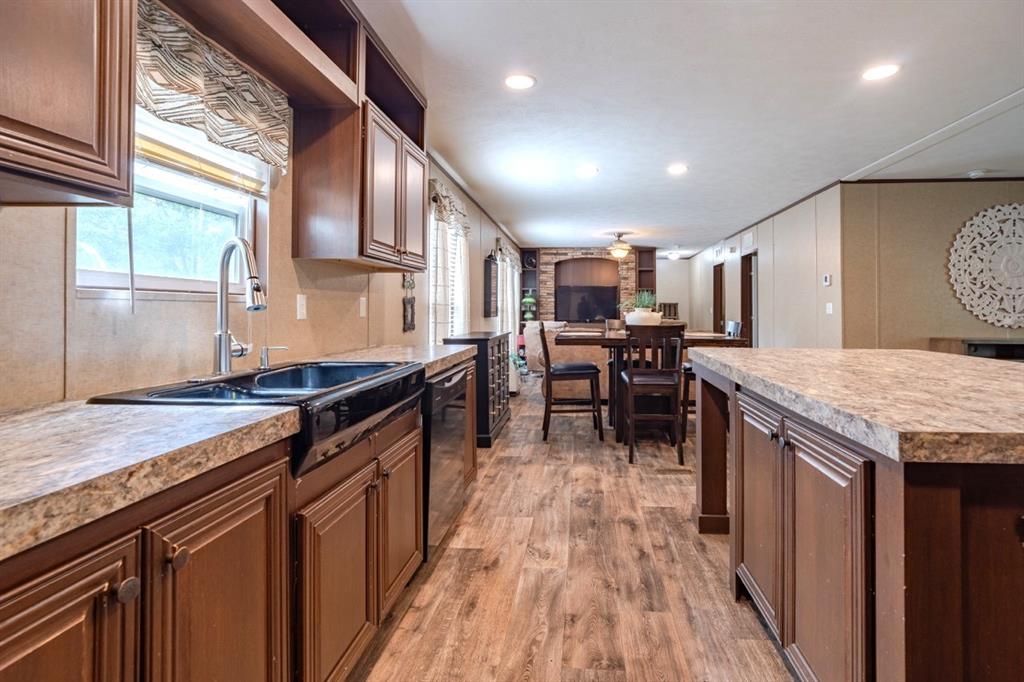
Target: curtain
448 270
509 269
182 78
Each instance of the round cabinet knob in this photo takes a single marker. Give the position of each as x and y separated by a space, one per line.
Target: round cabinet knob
387 473
128 590
179 559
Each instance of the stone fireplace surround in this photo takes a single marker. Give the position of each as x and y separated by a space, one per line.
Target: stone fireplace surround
546 259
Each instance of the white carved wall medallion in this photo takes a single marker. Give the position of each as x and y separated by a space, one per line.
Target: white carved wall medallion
986 265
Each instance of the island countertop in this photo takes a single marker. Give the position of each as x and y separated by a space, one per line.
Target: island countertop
909 405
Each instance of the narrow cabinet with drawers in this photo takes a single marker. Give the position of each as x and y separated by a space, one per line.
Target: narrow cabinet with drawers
492 382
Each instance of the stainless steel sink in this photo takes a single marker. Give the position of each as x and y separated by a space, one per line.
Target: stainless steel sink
316 376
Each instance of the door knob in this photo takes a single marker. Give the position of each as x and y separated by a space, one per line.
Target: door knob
128 590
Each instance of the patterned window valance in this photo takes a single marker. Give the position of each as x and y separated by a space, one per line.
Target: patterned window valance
183 78
508 254
448 208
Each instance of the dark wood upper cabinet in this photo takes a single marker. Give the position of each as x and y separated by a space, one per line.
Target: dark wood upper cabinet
66 101
414 206
216 585
758 542
828 558
401 516
337 563
646 268
79 621
382 234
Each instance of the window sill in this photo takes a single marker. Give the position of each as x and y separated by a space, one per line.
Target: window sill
90 293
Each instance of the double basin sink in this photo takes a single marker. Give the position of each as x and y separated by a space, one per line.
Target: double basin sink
340 403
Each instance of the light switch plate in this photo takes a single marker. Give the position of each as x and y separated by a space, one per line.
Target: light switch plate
362 306
826 280
828 308
300 306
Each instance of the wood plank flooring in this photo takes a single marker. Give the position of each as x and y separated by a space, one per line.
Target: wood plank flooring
570 564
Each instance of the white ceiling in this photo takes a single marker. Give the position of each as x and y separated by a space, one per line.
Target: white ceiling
763 101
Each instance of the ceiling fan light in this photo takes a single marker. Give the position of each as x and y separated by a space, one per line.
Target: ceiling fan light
619 249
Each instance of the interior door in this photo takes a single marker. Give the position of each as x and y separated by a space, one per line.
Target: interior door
79 621
216 585
381 207
401 516
414 206
337 609
718 298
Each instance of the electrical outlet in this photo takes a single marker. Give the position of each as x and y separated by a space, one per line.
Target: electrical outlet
362 306
828 308
300 306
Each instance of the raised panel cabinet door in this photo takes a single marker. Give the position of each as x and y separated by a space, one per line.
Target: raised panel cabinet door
401 516
216 584
337 556
829 540
759 549
67 94
381 208
79 621
414 206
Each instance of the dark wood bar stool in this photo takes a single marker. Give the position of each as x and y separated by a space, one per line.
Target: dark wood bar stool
653 370
570 371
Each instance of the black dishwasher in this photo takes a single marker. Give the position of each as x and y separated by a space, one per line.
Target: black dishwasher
445 442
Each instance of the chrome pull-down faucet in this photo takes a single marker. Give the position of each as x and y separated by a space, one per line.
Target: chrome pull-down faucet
225 345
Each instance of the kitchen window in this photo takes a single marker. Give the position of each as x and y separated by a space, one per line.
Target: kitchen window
190 197
448 279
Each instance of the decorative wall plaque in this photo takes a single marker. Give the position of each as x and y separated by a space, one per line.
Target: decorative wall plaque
986 265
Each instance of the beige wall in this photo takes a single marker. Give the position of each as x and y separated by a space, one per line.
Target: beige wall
673 279
895 248
60 343
794 250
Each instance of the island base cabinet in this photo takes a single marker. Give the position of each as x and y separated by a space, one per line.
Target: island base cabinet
758 545
76 622
401 517
216 585
828 538
338 577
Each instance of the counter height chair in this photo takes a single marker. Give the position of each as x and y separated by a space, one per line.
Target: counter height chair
654 356
570 371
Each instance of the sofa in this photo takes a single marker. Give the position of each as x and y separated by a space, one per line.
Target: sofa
535 359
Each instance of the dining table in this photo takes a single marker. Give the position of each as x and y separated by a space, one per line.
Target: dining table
710 512
615 341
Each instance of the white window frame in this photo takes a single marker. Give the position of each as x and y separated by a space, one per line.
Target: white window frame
101 279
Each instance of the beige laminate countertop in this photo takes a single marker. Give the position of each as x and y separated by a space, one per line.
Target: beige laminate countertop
66 464
910 405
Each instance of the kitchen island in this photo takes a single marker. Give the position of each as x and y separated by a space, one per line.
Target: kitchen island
876 510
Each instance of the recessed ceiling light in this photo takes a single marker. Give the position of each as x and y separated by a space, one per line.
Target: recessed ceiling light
587 170
876 73
977 173
520 81
677 169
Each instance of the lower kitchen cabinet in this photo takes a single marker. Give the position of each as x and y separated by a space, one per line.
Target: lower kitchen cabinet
358 545
337 563
759 475
401 517
216 584
828 542
79 621
803 539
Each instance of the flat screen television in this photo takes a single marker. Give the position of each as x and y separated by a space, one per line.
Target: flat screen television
586 303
